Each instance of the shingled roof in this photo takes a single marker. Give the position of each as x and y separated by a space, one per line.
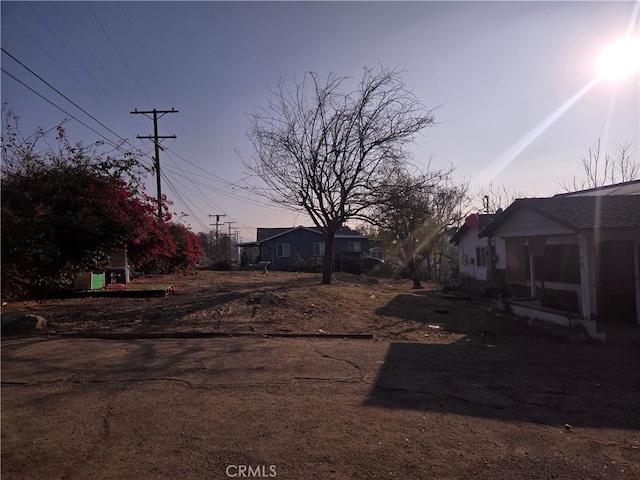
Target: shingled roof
578 213
625 188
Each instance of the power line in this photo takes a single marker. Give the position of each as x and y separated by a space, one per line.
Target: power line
222 180
184 175
132 29
81 64
119 148
116 146
125 141
61 94
248 201
183 201
229 184
58 107
118 52
165 176
204 197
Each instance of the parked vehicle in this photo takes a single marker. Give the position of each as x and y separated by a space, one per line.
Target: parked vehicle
355 262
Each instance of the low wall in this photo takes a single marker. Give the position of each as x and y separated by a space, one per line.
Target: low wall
531 309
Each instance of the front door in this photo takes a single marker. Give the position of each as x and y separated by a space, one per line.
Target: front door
616 292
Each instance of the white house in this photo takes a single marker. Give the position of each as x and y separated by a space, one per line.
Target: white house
475 253
577 256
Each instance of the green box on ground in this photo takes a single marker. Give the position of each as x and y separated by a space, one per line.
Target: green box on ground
89 281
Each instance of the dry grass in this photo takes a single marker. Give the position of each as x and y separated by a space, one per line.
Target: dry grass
230 302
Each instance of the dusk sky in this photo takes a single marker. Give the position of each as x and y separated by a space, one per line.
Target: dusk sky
513 83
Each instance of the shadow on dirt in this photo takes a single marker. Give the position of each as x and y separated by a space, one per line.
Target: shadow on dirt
148 314
48 362
474 318
582 385
141 314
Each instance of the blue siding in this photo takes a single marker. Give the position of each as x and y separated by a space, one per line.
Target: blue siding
300 243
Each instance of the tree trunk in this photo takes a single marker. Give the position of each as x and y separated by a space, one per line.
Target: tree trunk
414 273
327 268
427 257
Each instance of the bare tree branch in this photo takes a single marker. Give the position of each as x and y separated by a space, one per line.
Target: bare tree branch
490 198
601 171
416 209
327 150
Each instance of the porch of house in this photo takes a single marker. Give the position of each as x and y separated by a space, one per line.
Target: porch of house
600 331
580 281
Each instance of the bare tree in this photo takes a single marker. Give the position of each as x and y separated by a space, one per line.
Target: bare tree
494 197
325 150
608 170
416 211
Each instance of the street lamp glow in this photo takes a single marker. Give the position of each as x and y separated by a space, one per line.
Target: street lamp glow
619 60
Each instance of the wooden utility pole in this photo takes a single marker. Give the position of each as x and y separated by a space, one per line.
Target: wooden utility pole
236 250
217 224
230 242
155 137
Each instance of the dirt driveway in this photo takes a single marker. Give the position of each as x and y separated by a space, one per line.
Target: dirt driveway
432 395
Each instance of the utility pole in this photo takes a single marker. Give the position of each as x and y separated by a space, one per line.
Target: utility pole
237 250
231 255
217 215
155 137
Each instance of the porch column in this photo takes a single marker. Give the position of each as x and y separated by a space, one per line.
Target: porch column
636 262
585 285
532 275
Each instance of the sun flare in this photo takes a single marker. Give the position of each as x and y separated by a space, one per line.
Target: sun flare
619 60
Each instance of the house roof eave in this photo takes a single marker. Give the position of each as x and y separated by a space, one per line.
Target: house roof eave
312 230
577 213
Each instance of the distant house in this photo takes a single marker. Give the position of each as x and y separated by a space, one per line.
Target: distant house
479 258
283 247
576 257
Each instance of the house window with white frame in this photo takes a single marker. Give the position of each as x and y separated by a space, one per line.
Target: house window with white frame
318 249
283 250
354 247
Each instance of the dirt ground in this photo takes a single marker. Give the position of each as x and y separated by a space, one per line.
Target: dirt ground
445 388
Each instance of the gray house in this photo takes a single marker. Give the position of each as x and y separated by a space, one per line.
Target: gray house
284 247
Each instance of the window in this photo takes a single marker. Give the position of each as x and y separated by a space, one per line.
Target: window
283 250
353 247
318 249
559 263
481 256
516 260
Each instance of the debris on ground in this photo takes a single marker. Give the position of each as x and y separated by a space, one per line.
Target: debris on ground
270 298
16 322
